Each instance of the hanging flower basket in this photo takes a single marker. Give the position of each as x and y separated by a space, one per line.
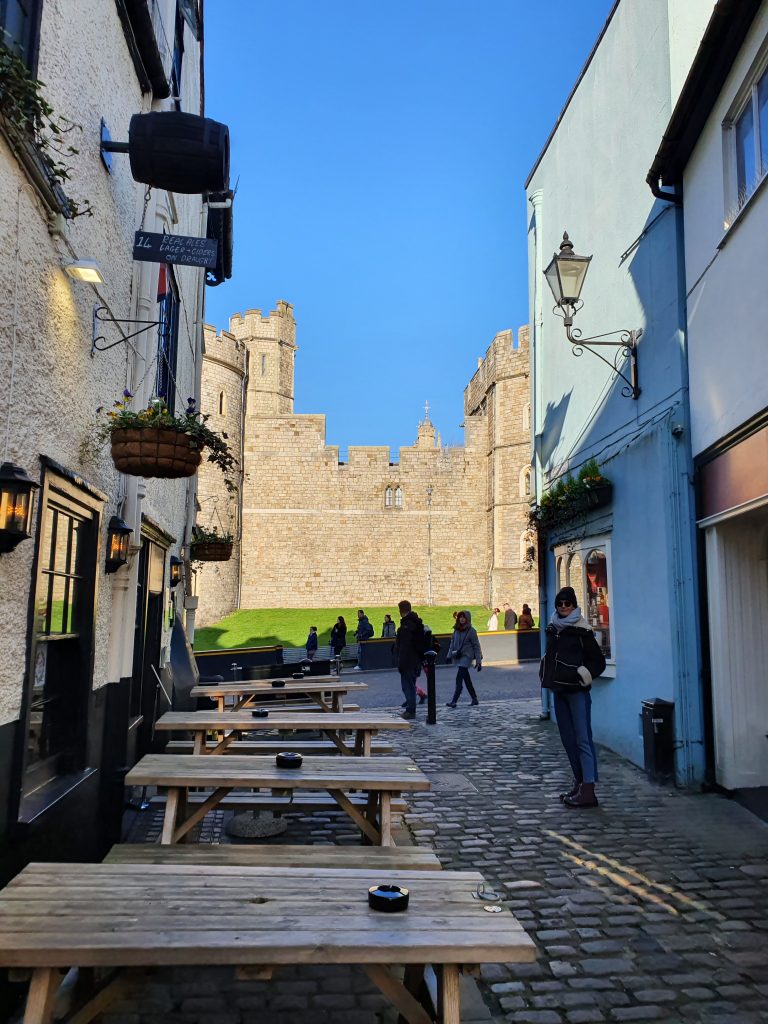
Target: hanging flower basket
153 442
599 495
211 551
155 452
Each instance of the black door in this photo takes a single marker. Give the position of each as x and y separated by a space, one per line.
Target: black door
148 700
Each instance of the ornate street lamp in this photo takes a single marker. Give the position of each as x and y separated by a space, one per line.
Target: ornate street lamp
565 276
118 533
175 571
17 499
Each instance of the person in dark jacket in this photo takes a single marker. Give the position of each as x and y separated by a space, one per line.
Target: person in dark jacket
388 628
571 661
364 631
464 646
311 643
338 640
410 650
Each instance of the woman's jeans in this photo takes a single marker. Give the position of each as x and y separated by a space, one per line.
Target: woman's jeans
462 677
574 720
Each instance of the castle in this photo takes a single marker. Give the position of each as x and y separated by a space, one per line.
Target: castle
440 525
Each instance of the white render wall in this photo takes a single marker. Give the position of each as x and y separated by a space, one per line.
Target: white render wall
45 317
727 301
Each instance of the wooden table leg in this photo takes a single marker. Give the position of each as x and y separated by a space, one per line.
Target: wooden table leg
448 995
198 744
415 983
385 819
41 996
220 704
169 821
366 742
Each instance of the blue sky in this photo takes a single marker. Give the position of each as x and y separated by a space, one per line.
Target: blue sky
381 150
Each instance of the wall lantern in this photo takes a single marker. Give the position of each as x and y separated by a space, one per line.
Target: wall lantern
565 275
17 499
118 533
175 571
85 270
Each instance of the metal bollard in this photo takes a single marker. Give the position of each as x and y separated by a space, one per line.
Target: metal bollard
429 670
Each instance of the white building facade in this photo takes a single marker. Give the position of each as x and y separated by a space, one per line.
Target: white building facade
715 154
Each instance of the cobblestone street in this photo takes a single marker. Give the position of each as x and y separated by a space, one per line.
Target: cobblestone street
652 907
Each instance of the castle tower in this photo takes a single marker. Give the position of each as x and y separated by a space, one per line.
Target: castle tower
425 437
271 344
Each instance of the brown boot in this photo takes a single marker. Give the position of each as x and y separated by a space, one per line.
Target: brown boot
584 798
571 792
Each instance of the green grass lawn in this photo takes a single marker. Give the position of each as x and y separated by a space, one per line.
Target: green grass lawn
263 627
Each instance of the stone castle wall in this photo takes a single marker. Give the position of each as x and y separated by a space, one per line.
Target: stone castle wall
319 532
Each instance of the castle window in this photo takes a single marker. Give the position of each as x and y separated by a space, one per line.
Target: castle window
527 416
388 498
222 404
263 365
527 547
525 482
398 498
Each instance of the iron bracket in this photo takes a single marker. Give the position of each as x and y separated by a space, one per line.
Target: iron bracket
99 317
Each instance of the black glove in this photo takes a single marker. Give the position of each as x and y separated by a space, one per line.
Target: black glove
479 666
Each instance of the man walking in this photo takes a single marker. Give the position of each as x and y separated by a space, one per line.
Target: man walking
510 617
410 649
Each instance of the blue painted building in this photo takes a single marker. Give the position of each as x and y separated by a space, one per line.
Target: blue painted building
633 560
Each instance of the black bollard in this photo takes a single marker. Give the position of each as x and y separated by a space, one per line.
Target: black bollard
429 670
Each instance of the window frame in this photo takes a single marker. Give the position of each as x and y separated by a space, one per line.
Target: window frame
389 497
62 496
168 329
746 98
398 496
29 53
563 554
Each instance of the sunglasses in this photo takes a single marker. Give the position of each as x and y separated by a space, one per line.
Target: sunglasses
563 604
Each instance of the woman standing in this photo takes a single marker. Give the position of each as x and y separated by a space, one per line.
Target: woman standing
572 660
493 622
388 628
526 619
339 636
463 648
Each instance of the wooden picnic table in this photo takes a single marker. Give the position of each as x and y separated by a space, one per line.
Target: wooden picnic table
132 916
233 723
380 777
248 692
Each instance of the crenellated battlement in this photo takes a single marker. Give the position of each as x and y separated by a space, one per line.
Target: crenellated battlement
277 325
226 348
503 359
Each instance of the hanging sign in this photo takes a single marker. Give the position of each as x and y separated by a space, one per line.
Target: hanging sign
151 247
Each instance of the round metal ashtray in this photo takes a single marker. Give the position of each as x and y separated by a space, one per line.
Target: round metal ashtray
297 675
389 899
288 759
260 713
278 684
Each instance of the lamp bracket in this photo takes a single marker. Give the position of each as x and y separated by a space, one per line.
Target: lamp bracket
626 345
100 317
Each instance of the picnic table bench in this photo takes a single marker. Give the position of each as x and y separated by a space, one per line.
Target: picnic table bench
232 724
126 917
249 692
324 855
380 778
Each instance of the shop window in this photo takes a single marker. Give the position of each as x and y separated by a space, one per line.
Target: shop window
398 497
588 570
388 498
62 634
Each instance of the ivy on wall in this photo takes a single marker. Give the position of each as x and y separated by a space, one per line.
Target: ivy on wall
34 130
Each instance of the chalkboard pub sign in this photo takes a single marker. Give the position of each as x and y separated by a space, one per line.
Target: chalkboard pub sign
151 247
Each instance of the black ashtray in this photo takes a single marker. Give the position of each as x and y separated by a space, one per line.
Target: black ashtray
260 713
278 684
297 675
288 760
389 899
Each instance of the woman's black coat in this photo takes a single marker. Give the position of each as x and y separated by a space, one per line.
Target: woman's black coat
572 660
338 638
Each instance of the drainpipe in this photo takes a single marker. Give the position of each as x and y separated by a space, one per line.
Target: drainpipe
668 197
536 200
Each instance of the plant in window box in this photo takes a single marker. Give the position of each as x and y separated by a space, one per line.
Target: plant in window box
571 496
153 442
210 545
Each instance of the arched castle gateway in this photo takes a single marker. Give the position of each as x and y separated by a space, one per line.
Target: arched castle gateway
318 532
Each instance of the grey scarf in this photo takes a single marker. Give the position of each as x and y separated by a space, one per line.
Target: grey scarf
560 622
